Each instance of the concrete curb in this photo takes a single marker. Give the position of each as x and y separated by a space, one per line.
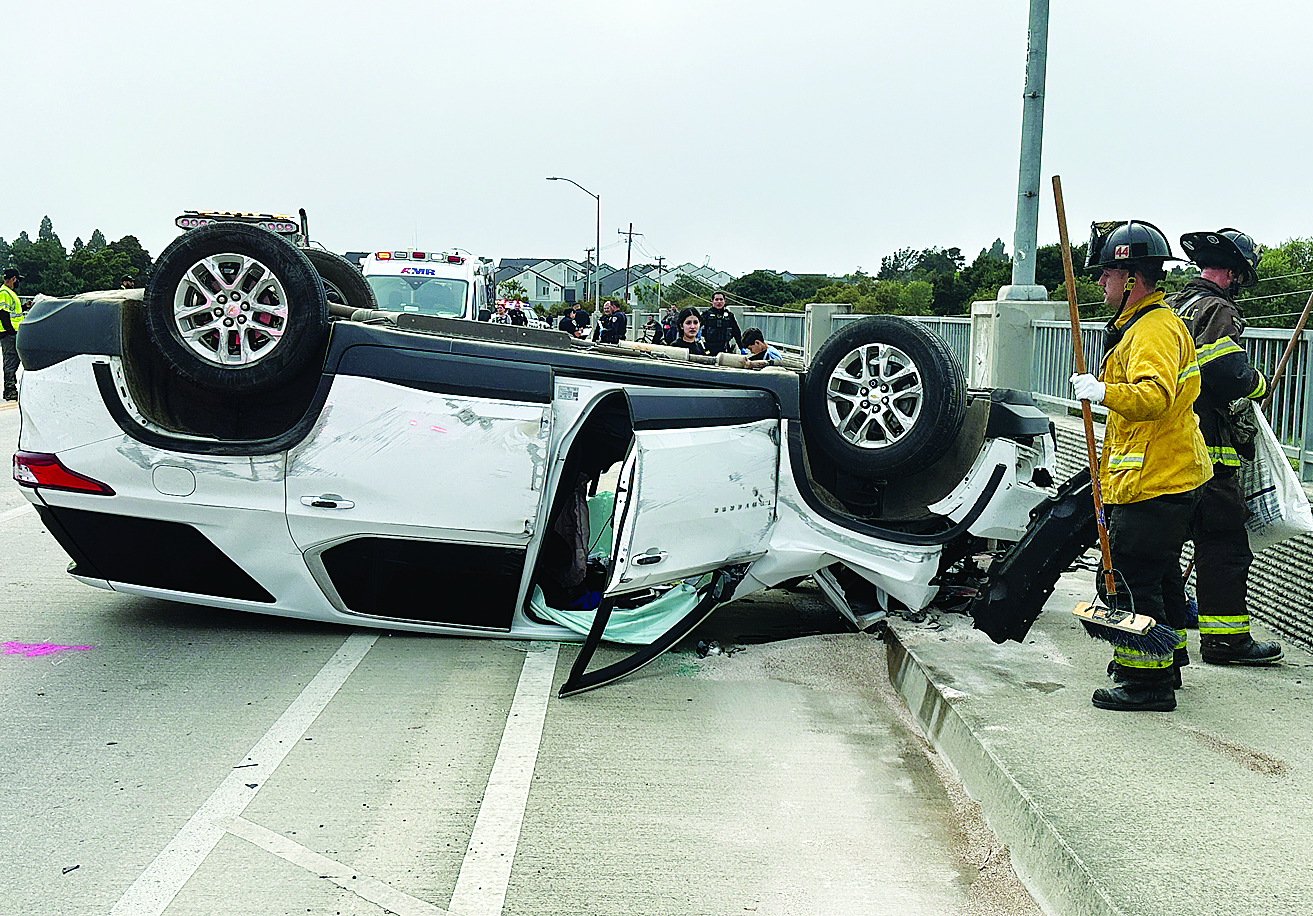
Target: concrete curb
1049 868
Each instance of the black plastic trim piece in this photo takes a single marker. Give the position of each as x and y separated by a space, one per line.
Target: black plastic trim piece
150 553
1061 529
450 373
721 586
468 585
889 534
665 409
579 362
58 329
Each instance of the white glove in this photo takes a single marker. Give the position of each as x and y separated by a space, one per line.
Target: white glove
1088 388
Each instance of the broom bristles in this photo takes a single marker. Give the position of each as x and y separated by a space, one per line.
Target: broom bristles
1159 639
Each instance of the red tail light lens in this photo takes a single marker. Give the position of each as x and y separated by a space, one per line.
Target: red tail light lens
35 469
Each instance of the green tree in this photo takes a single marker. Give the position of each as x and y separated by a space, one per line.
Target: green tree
512 289
916 298
985 275
139 259
4 253
47 232
899 265
97 240
44 266
761 287
1285 275
98 270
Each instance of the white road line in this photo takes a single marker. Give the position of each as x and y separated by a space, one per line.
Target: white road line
486 872
155 889
10 514
371 889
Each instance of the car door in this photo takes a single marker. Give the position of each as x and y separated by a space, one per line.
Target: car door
416 494
698 486
695 500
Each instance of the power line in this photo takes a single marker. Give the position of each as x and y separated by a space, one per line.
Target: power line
1293 292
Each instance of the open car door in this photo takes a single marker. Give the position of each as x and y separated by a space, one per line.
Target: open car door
695 502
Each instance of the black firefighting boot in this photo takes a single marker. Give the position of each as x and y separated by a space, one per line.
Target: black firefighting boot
1118 673
1239 649
1137 696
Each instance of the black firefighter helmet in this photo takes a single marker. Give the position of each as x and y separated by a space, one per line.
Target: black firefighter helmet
1127 245
1228 248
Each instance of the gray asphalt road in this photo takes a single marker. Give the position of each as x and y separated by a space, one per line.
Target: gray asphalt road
159 758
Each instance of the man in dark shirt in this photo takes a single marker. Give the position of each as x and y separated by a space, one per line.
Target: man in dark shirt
1227 260
574 322
612 325
719 327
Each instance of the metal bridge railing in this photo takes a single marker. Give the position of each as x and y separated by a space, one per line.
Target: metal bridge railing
1289 413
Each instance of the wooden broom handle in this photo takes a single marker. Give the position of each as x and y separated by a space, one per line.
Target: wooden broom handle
1078 349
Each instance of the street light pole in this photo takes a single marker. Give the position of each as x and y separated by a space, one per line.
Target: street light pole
597 274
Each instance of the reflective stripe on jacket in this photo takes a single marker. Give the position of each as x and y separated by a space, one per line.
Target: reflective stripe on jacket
1215 324
1152 445
9 302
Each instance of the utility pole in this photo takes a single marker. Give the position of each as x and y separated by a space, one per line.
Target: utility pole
628 251
588 262
660 275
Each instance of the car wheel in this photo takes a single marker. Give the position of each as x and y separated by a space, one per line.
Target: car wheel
344 286
236 309
884 398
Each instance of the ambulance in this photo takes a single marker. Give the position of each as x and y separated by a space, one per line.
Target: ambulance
448 284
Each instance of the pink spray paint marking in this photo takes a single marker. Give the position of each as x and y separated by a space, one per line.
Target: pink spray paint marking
33 649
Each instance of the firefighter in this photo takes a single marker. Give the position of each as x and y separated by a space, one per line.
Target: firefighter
1227 260
1154 459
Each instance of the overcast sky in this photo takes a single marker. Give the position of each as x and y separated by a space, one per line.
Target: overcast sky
813 137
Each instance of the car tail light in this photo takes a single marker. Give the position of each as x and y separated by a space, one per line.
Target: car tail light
383 255
36 469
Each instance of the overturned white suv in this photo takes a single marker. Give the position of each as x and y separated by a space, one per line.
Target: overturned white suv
217 439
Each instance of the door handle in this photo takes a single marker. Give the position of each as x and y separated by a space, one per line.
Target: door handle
327 501
649 559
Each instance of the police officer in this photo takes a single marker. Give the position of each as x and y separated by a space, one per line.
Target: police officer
1154 459
1227 260
611 326
11 313
719 326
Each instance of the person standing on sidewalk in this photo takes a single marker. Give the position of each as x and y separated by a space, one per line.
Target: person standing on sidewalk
1227 260
612 325
11 313
719 327
1154 459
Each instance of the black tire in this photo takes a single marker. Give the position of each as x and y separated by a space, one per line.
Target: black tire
344 285
892 420
272 316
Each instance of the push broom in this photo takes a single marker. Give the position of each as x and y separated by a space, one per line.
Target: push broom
1116 621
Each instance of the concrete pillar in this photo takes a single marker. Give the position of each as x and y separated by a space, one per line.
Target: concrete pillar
817 326
1003 341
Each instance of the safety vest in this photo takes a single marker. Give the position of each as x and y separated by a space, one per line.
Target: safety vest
10 303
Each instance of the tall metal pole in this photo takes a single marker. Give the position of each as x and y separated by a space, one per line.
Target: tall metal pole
597 276
1028 183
